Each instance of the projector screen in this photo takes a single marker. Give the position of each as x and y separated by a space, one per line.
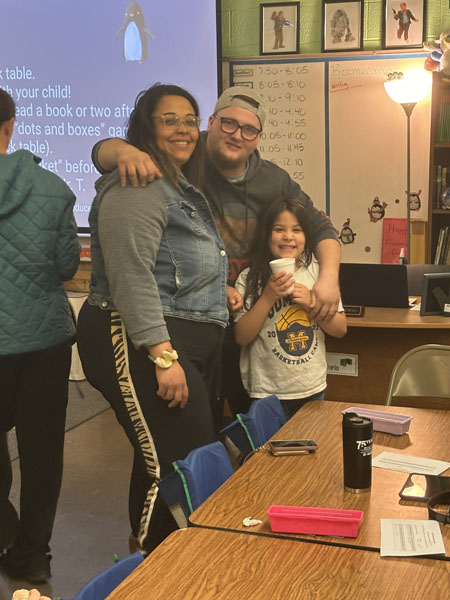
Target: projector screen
74 70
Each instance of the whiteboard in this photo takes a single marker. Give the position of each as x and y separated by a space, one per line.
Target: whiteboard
350 137
294 134
367 151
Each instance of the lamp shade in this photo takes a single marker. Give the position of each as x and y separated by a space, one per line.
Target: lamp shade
412 87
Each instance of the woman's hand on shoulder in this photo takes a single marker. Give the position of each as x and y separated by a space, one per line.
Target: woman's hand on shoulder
137 166
172 385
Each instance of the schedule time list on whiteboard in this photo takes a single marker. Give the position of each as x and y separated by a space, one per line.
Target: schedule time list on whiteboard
294 134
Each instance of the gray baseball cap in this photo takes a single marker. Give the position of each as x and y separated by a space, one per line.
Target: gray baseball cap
234 96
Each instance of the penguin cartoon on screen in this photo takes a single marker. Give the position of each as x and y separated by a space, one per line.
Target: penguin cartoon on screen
134 33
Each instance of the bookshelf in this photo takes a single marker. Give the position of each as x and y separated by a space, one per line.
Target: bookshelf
438 218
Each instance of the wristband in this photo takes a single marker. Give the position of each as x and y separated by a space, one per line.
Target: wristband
165 361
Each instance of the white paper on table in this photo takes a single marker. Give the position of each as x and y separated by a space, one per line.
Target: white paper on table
410 537
409 464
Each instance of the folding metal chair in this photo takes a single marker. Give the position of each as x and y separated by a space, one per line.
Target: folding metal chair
422 372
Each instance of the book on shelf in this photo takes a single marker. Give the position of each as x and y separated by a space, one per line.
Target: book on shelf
441 184
446 258
442 256
444 117
444 246
437 203
439 246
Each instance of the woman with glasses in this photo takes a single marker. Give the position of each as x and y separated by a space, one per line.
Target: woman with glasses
238 184
151 331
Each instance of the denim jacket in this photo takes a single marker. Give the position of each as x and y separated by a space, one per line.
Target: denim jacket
156 251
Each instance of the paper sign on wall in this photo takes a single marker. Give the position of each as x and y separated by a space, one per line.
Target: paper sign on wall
395 237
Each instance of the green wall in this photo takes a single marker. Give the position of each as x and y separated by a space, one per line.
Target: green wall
240 25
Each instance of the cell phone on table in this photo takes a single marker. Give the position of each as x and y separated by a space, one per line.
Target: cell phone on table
421 488
284 447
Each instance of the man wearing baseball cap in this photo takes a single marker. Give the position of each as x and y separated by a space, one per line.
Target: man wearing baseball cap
238 183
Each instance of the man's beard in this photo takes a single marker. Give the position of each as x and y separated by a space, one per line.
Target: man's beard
224 162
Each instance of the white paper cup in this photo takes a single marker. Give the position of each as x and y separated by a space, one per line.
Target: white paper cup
283 264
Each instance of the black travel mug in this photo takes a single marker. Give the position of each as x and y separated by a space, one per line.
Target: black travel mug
357 435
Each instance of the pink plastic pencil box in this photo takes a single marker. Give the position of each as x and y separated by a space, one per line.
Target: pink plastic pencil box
315 521
384 421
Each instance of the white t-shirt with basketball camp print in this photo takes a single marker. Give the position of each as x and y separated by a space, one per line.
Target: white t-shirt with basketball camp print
287 358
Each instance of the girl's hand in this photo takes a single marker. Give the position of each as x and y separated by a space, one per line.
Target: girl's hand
172 385
279 284
302 296
234 299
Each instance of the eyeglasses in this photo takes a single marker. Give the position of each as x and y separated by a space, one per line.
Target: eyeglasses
174 121
228 125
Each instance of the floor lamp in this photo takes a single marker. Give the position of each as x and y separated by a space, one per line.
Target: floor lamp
407 90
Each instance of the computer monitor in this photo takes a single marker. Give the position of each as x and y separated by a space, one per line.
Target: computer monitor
416 273
374 285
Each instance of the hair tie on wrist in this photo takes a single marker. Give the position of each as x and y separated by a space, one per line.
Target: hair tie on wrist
165 361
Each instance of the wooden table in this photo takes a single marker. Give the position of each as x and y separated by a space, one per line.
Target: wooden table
379 339
202 564
317 479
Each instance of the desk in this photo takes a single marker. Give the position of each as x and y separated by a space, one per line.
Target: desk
379 339
201 564
317 479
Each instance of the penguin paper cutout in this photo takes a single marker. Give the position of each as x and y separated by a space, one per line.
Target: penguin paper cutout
347 235
135 34
414 200
377 210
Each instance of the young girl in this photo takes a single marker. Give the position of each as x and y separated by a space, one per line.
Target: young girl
283 350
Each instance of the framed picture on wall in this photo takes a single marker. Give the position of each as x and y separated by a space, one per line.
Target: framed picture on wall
279 28
342 25
403 23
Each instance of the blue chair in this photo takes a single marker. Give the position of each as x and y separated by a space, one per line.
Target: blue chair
252 429
195 478
105 582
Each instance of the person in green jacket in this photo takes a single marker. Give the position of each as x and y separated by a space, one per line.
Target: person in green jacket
38 251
